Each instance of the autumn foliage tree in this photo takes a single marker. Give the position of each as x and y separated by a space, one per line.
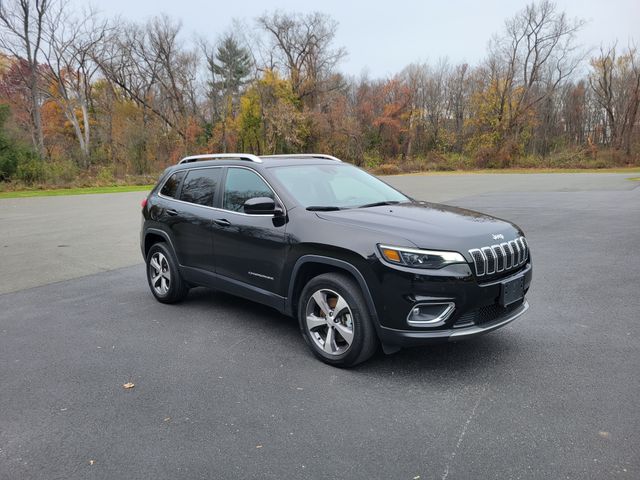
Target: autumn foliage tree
94 97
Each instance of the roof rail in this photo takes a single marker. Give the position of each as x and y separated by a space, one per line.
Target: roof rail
304 155
220 156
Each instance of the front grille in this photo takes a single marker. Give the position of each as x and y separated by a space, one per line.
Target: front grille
485 314
498 258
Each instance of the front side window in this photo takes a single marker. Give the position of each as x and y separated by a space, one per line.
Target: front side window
240 186
170 187
200 186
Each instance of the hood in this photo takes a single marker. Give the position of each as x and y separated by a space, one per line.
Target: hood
429 225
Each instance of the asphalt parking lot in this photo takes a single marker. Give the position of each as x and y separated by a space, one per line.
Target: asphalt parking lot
225 388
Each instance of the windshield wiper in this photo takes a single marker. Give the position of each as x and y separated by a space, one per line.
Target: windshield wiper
379 204
323 208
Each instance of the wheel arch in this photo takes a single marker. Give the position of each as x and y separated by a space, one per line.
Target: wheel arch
309 266
153 236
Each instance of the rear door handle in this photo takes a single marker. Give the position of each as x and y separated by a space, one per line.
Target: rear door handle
171 211
223 222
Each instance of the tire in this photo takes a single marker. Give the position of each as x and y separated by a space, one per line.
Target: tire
163 276
334 302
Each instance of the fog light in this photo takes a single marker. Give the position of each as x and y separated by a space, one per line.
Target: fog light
430 314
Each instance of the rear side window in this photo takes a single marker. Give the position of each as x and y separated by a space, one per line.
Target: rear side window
240 186
170 187
200 186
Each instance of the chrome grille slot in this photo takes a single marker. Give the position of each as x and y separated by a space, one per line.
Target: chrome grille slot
478 261
498 258
491 260
524 248
517 253
497 251
508 257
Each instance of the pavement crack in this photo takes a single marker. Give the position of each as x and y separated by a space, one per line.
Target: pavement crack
463 432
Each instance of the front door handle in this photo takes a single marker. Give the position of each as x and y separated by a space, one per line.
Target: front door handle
223 222
171 211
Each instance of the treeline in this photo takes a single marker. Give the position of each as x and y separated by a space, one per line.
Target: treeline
87 96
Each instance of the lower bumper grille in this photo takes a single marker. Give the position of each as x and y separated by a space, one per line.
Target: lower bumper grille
486 314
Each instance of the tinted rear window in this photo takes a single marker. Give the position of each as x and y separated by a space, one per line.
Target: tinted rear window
200 186
170 187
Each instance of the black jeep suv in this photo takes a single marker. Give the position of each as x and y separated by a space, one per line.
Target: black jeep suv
356 261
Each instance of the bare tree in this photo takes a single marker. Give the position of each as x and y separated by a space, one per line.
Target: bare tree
21 36
69 50
458 88
526 65
148 64
303 47
615 82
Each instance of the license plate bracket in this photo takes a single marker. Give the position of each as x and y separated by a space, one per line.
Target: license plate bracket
512 291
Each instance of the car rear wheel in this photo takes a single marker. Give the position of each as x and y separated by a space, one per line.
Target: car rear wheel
335 321
163 275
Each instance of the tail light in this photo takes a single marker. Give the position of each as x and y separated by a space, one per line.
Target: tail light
143 203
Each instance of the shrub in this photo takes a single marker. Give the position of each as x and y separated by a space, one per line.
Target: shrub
31 171
12 154
387 169
61 172
106 176
8 164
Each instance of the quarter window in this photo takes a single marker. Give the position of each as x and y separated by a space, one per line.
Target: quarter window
240 186
170 187
200 186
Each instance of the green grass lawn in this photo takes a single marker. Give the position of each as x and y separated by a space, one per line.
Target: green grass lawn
142 188
75 191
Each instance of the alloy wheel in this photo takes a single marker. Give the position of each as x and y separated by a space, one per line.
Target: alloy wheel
329 322
159 273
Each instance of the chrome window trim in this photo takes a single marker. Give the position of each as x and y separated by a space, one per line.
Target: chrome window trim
167 179
443 317
267 215
266 183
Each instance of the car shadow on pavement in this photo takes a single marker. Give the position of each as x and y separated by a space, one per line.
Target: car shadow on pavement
463 359
450 362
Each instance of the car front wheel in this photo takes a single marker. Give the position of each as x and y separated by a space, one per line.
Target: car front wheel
335 321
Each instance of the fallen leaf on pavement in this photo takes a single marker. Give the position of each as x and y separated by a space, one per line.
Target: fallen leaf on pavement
128 385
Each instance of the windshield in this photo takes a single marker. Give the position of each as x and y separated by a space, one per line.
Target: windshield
339 186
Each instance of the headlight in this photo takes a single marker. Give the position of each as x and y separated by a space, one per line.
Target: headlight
411 257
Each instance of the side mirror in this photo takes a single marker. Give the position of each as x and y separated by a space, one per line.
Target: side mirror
261 206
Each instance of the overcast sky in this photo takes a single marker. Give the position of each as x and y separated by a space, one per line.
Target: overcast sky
382 37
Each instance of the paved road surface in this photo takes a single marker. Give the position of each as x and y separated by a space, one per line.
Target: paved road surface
226 388
49 239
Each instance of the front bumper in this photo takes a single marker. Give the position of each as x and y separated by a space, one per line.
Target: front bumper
408 338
